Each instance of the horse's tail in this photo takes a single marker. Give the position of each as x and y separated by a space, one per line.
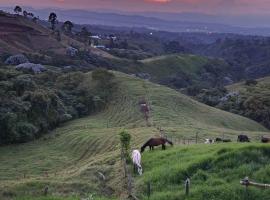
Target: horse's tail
168 141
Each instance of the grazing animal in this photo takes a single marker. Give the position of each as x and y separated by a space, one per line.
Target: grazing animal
156 142
223 140
136 159
243 138
209 141
265 140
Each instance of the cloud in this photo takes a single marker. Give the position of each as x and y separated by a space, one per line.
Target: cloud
206 6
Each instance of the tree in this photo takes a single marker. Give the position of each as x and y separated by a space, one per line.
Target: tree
125 138
85 35
174 47
67 27
35 19
17 9
30 14
52 20
25 13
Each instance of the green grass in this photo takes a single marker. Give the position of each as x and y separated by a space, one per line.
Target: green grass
160 68
260 90
164 66
215 172
73 155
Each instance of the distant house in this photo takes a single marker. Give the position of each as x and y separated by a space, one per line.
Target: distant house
101 47
96 37
112 37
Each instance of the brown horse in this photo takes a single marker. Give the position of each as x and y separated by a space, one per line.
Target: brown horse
156 142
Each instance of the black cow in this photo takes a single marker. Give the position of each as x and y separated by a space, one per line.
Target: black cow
265 140
223 140
243 138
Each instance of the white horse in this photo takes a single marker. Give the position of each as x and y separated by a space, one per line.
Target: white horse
136 159
209 141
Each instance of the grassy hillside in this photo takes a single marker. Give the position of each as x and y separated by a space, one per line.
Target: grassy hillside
163 66
21 35
214 171
262 82
178 70
251 99
72 158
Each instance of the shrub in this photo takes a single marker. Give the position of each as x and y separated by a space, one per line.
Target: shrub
16 60
26 131
125 138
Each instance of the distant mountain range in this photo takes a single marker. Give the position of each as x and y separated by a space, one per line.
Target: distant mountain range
174 22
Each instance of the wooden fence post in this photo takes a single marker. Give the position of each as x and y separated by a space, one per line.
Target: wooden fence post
46 190
187 186
197 138
148 190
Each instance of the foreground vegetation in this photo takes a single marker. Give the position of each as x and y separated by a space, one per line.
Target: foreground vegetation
214 170
71 159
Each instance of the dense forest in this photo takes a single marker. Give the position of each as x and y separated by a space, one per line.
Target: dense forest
32 104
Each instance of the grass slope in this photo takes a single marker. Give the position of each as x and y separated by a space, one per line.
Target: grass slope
21 35
164 66
74 155
214 170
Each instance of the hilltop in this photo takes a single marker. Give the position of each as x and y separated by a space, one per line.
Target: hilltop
178 70
254 95
20 34
71 159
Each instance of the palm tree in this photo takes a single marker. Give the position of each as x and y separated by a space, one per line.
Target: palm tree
17 9
52 20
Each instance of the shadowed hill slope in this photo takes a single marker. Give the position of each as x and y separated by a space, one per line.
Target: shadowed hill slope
19 34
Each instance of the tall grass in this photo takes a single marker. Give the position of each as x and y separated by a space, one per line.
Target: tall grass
215 172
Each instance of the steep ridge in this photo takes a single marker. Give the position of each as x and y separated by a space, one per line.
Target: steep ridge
19 34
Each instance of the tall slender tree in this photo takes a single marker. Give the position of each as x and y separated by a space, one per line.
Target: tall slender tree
17 9
85 36
67 27
52 20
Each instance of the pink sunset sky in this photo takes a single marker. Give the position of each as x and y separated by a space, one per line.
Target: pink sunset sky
204 6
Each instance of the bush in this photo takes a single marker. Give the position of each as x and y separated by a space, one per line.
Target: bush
26 131
251 82
125 138
16 60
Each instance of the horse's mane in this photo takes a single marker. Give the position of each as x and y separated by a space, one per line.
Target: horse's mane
146 144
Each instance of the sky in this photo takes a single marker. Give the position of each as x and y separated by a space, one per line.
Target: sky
229 7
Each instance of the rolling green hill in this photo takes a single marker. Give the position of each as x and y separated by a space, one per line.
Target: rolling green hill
250 99
72 160
178 70
162 66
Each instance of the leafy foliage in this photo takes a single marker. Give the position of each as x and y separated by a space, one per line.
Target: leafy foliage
34 104
125 138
